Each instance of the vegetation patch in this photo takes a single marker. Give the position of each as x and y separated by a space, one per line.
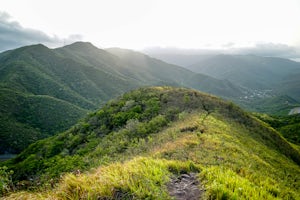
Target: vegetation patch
134 145
140 178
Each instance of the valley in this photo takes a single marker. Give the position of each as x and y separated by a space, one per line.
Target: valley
262 79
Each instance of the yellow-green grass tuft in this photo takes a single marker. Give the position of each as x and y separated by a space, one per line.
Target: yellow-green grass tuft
139 178
224 183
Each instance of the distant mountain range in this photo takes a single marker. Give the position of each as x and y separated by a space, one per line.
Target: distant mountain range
262 78
44 91
157 72
250 71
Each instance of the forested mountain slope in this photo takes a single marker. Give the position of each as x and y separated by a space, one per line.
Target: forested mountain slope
146 68
36 81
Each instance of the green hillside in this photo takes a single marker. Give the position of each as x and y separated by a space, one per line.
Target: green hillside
250 71
290 85
75 79
137 144
263 79
144 68
288 126
278 105
43 93
26 118
267 81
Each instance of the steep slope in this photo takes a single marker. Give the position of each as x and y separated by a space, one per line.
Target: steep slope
144 68
25 118
260 77
37 70
80 77
290 85
288 126
249 71
264 79
108 77
138 142
48 93
181 57
276 105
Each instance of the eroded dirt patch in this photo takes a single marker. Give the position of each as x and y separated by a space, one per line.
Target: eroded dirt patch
185 187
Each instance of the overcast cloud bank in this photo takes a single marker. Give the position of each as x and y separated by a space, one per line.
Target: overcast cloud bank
13 35
262 49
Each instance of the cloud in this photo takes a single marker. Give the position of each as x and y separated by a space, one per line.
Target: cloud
260 49
181 51
270 49
13 35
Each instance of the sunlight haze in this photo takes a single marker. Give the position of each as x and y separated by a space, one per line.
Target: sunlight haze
137 24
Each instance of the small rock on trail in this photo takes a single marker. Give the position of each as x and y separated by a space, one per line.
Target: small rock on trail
185 187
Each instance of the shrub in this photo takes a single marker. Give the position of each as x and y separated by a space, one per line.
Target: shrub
5 180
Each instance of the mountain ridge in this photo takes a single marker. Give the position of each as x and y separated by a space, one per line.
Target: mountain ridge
232 67
136 143
86 77
261 78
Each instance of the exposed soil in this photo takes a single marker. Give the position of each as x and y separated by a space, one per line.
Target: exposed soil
185 187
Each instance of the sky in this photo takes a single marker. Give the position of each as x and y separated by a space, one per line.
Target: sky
258 25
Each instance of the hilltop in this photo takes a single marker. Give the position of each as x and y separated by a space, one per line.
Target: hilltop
138 144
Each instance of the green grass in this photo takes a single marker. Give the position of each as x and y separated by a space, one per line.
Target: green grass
288 126
152 133
278 105
139 178
231 160
227 184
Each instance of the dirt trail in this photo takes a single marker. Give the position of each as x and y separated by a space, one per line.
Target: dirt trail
185 187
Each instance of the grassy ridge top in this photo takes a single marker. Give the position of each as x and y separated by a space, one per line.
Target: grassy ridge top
134 144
